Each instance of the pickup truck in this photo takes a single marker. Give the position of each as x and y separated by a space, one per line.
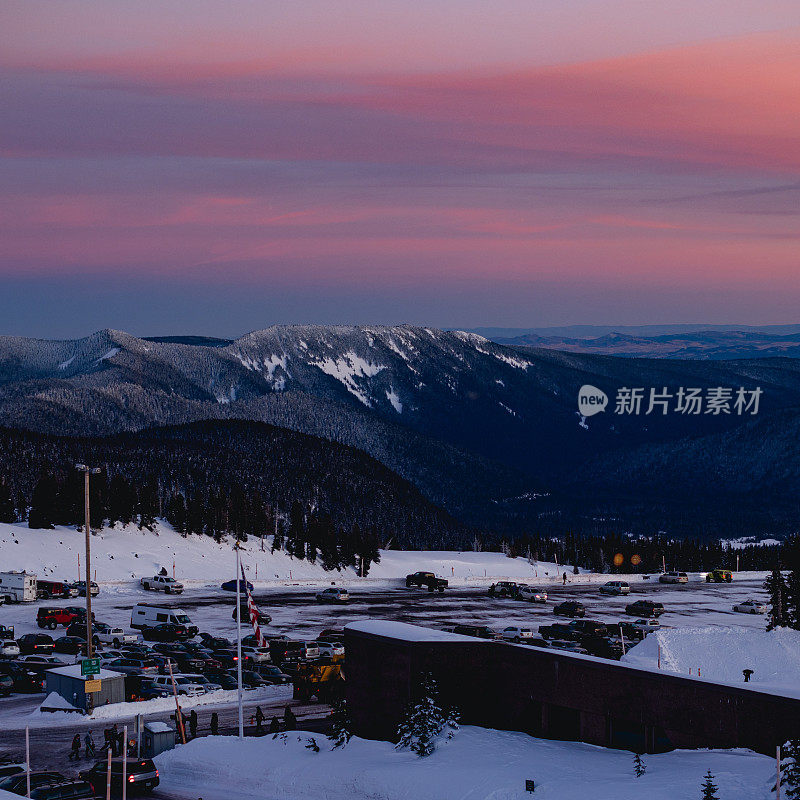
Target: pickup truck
114 636
426 579
162 583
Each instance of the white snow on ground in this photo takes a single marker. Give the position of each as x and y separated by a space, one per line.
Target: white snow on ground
125 554
346 369
394 399
38 719
721 653
477 764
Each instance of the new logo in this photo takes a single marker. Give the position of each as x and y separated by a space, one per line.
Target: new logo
591 400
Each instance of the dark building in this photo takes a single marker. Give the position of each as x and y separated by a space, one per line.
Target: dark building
554 694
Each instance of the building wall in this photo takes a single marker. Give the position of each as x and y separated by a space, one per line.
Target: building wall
556 695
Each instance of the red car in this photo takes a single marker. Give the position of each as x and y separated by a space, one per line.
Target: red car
53 617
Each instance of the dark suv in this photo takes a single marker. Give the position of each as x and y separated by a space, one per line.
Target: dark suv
142 776
37 643
478 631
570 608
17 784
64 790
644 608
588 627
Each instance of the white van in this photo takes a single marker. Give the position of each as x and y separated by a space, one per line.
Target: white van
18 587
144 616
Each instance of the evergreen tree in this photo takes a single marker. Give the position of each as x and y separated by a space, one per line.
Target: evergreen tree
776 587
423 719
121 500
340 723
43 503
709 788
792 552
7 510
638 765
790 769
452 721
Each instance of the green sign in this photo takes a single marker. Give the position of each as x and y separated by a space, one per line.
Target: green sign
90 666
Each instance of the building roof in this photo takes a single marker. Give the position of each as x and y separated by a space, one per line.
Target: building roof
74 671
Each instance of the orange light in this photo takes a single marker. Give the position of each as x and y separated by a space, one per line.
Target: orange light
636 559
618 559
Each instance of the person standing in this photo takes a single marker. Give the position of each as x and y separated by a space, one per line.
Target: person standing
88 741
214 724
193 724
289 719
75 751
259 721
274 726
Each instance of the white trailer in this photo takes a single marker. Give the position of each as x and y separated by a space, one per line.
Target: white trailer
18 587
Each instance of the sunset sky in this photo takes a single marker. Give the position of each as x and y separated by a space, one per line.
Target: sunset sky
215 167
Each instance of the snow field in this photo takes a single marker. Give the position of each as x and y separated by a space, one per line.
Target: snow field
477 764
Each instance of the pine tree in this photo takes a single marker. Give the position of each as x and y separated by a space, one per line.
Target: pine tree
452 721
790 769
776 587
639 767
792 555
7 511
43 503
709 788
340 724
423 720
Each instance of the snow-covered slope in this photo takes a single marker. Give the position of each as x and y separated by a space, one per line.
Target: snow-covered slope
477 764
721 653
120 555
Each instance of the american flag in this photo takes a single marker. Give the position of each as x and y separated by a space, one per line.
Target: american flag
252 612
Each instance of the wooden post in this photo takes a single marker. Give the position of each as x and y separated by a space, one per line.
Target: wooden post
27 762
178 712
125 762
108 775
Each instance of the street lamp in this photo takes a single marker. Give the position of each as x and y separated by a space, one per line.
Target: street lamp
87 471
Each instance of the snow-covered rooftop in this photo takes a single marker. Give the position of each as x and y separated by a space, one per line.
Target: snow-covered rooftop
74 671
406 632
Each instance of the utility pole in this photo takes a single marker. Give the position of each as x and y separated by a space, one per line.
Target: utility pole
239 573
87 471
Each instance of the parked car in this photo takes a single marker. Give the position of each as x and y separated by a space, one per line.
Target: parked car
252 679
570 608
133 666
588 627
427 580
8 768
35 643
215 642
141 776
244 612
615 588
602 646
116 636
183 685
330 649
503 589
478 631
647 624
9 648
333 595
719 576
141 687
229 657
51 618
230 586
224 679
70 645
6 632
81 587
47 590
202 680
40 662
162 583
531 594
64 790
627 629
273 675
17 784
644 608
283 652
165 632
750 607
673 577
25 680
559 630
569 646
261 655
515 633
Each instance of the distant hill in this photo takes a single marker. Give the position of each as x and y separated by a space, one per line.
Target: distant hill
488 433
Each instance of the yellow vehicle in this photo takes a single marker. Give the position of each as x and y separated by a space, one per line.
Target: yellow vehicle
719 576
323 681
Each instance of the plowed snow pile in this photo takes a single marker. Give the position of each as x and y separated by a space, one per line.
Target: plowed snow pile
722 653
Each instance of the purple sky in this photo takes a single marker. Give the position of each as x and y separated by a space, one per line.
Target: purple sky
199 167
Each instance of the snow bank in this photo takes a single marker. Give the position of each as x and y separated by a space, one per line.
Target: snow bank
721 653
477 764
127 554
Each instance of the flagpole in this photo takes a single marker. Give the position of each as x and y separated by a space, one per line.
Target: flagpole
239 639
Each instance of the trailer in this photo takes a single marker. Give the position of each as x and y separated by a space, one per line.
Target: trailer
18 587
